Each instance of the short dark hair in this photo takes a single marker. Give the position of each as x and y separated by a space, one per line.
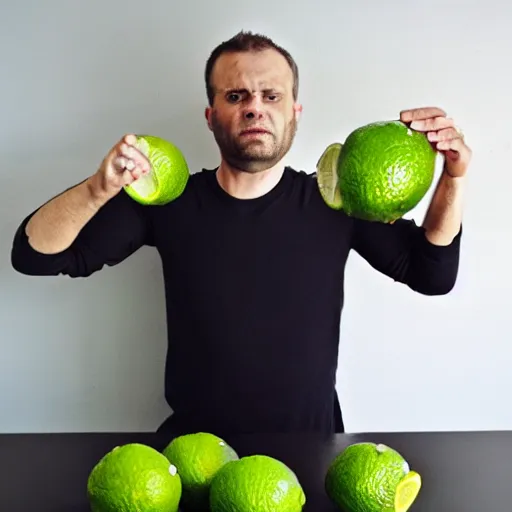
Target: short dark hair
246 41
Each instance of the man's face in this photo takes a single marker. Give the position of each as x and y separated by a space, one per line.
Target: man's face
254 116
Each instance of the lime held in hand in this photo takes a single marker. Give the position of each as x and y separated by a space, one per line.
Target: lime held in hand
198 457
256 483
381 171
168 176
369 477
134 478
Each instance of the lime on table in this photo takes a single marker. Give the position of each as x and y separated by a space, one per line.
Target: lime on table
381 171
168 176
134 478
256 483
198 457
369 477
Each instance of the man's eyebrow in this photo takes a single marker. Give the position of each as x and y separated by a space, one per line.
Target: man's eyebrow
230 90
267 90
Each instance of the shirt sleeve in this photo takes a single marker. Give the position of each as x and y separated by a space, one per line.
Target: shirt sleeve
402 252
115 232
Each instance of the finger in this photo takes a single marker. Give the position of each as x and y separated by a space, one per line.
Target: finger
134 155
122 164
128 177
432 124
445 134
127 148
450 152
456 143
129 139
455 149
128 169
421 113
137 173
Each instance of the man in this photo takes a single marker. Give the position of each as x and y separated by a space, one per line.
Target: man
253 259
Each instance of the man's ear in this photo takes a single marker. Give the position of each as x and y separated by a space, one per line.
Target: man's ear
207 115
297 108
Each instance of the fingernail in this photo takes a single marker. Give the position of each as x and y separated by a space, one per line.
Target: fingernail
415 124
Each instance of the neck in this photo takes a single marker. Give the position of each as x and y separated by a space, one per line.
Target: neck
247 185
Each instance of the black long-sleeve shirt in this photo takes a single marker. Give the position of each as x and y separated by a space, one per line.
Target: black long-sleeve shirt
254 293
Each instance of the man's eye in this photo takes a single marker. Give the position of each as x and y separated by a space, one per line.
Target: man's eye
233 97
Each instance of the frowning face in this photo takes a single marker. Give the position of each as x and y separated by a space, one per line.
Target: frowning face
254 116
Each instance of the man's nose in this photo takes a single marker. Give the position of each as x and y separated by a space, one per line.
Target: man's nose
253 108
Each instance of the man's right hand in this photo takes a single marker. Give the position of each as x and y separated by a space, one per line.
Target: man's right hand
123 165
55 225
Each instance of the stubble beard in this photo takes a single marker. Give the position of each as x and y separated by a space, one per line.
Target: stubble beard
253 156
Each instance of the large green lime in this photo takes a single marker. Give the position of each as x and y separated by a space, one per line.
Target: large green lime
168 176
134 478
198 457
256 483
381 171
369 477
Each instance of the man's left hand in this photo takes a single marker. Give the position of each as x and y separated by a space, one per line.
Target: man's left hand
444 135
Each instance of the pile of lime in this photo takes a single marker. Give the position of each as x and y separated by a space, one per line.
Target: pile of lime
370 477
168 176
381 172
196 472
200 472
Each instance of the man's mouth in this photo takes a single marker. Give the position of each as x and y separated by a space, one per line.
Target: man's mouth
254 131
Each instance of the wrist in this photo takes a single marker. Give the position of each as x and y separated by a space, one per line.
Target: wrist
98 195
455 178
452 182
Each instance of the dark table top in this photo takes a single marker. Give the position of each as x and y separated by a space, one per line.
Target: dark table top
461 472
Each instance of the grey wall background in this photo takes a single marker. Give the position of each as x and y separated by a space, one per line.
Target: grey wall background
84 355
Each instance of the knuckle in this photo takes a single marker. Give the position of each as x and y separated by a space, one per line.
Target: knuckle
438 122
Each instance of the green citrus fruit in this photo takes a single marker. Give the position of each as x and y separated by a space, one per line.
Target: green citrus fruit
381 172
168 176
134 478
369 477
198 457
327 175
256 483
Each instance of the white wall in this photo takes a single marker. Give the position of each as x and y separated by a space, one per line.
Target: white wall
77 75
